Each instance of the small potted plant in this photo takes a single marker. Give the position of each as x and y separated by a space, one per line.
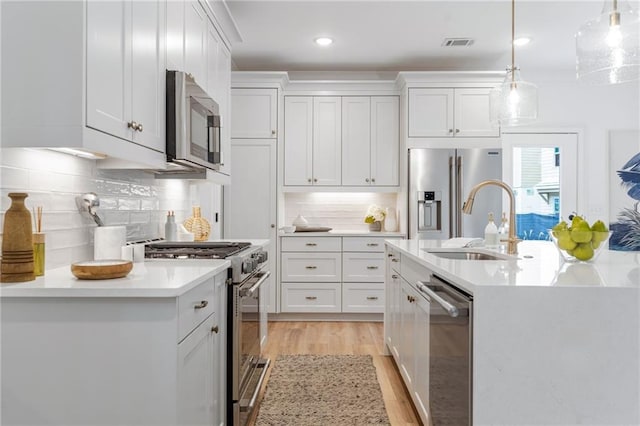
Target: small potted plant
375 216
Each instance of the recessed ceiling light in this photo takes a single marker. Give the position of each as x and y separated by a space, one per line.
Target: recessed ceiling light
323 41
521 41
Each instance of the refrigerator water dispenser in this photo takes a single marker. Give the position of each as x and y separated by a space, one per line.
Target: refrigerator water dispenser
429 210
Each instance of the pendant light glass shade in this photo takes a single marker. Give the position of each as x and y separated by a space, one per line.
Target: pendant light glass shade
514 102
608 47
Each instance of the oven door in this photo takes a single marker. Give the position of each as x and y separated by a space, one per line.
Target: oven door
246 330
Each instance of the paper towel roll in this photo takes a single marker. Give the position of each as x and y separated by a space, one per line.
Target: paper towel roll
108 242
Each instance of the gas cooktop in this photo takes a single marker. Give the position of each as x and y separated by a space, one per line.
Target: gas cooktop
193 250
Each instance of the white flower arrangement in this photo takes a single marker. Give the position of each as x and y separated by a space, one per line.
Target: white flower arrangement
374 214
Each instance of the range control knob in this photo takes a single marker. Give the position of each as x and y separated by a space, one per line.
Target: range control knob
248 266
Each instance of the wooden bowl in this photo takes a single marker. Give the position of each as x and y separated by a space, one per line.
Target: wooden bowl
101 269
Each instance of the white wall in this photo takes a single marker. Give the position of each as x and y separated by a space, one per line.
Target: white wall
127 197
565 103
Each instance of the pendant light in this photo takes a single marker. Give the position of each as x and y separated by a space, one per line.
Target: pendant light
608 47
514 102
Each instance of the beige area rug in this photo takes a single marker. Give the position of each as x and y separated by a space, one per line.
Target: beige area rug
318 390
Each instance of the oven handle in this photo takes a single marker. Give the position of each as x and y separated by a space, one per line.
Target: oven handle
245 293
451 310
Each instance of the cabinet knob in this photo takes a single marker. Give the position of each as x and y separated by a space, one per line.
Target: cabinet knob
309 180
132 125
315 180
139 128
215 329
373 180
394 260
450 130
367 180
273 132
273 225
394 277
201 305
457 130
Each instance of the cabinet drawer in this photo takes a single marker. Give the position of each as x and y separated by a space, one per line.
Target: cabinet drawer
413 271
311 297
373 244
194 307
363 267
363 297
310 267
312 244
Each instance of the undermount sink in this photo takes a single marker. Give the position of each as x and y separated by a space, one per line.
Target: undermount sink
464 255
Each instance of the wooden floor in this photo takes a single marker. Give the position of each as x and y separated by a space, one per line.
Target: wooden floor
336 338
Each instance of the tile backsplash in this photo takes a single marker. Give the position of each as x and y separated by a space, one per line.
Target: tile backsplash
127 197
340 211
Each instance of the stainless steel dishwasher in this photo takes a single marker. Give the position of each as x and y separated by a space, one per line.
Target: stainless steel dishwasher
450 352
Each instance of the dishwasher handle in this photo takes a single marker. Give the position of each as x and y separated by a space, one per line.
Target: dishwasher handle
451 310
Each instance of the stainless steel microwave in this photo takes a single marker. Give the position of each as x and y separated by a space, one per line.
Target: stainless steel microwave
193 123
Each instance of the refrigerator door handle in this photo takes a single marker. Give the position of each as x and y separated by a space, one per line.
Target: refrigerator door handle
452 205
459 196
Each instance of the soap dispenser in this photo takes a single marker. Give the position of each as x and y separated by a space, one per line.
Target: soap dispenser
491 234
170 227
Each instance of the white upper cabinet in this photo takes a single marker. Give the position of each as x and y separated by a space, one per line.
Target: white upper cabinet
195 42
255 113
327 140
125 70
298 140
223 97
450 112
175 35
370 140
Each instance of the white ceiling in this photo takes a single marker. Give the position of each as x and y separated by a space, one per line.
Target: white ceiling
406 35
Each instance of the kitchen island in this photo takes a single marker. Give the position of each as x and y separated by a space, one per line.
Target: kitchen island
144 349
552 342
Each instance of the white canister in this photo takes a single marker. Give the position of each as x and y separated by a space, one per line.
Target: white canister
390 220
108 242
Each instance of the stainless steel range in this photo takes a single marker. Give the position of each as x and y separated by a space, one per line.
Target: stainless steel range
246 369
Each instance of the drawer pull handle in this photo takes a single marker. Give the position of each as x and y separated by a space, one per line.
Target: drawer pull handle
372 267
394 260
311 297
311 267
202 304
215 329
394 277
372 297
389 255
373 245
311 244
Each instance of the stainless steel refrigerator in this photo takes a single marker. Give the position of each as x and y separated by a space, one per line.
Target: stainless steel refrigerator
439 183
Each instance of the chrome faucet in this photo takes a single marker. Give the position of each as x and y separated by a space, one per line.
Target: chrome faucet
512 247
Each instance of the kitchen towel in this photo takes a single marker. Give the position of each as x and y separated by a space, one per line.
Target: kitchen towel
108 242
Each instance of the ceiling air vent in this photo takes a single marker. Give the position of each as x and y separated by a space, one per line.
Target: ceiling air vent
453 42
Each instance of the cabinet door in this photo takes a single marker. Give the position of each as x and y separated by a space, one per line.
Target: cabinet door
421 350
195 376
175 35
224 100
407 330
298 140
385 140
255 113
253 189
213 47
148 73
109 67
356 140
430 113
472 118
219 351
396 319
327 141
195 38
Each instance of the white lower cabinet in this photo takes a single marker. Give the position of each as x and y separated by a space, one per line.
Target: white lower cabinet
332 274
116 360
407 327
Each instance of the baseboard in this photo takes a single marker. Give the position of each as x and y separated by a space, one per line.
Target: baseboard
340 317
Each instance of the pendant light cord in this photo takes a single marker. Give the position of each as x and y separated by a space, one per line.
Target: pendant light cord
513 46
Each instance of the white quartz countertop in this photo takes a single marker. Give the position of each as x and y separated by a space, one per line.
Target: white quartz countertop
342 233
153 278
537 264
